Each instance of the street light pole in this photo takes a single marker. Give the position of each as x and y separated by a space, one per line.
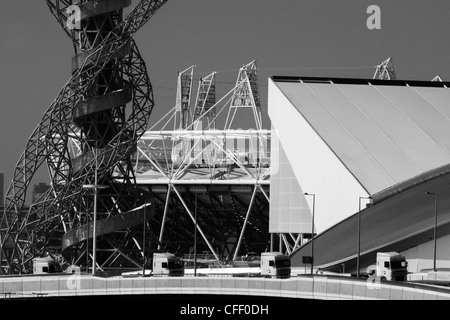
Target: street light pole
94 238
312 229
435 226
359 237
87 235
143 241
195 237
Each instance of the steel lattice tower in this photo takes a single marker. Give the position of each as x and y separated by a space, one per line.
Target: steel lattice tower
87 137
385 70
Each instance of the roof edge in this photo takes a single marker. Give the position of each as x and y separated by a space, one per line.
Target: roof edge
361 81
410 183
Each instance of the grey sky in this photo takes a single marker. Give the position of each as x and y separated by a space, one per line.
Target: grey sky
286 37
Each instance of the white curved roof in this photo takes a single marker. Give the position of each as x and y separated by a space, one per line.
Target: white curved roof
384 132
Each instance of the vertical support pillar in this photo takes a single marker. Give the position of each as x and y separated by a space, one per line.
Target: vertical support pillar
198 227
271 241
163 223
143 240
245 224
94 238
280 243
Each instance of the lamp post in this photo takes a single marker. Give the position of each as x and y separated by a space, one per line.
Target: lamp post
358 256
195 237
87 232
435 226
143 240
312 229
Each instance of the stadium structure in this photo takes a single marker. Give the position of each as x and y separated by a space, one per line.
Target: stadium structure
349 167
206 174
119 191
367 171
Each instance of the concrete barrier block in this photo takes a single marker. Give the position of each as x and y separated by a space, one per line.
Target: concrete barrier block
304 284
288 288
162 285
257 286
396 293
304 287
443 296
385 292
272 287
126 285
346 290
432 275
359 290
373 292
69 285
408 294
113 286
50 286
242 285
215 285
201 285
429 295
418 294
320 287
31 285
13 286
85 285
188 285
138 285
98 286
150 285
174 284
228 285
443 276
333 289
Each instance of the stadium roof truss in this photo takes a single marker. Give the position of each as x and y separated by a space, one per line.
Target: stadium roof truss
385 70
200 158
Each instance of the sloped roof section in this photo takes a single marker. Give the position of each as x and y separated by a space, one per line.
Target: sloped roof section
384 132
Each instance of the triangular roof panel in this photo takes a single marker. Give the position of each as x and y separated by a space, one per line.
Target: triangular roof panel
385 132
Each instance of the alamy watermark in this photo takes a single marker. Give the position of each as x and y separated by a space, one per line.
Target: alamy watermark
374 280
374 20
74 17
74 280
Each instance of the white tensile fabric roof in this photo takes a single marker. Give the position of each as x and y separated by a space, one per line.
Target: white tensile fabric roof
384 132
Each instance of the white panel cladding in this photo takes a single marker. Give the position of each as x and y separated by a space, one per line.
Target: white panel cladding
316 167
364 133
384 134
289 211
402 115
345 143
421 257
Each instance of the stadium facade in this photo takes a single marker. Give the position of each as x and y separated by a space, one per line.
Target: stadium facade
373 153
210 180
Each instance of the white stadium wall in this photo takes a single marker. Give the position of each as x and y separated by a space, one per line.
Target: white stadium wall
316 169
421 257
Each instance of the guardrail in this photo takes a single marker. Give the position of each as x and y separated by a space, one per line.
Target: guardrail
303 287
